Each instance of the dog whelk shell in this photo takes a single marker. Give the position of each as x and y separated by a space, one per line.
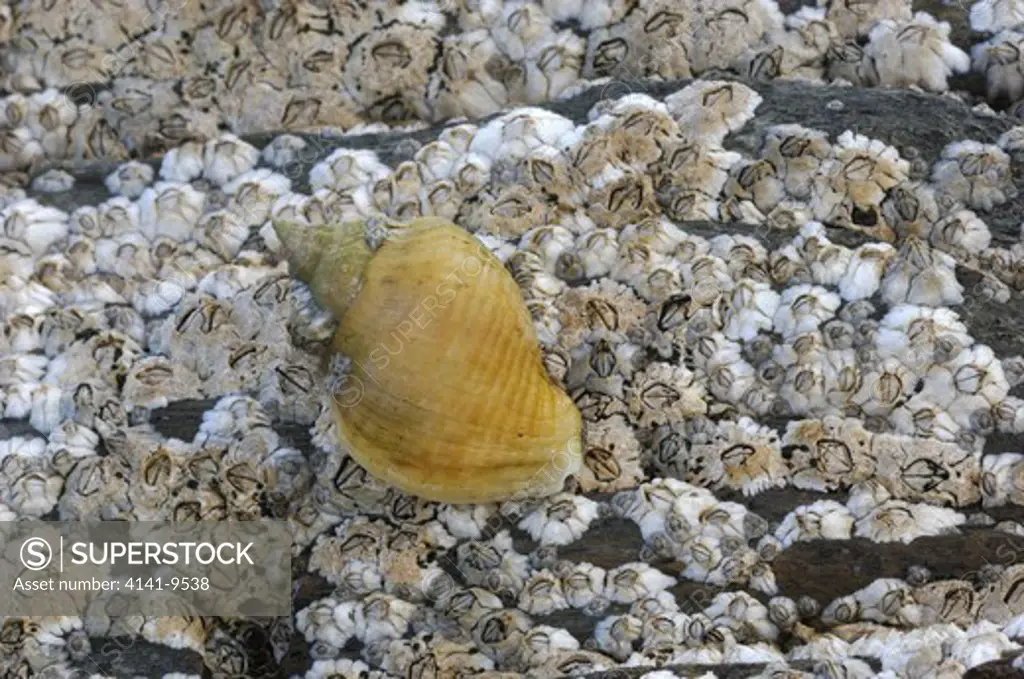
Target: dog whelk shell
447 398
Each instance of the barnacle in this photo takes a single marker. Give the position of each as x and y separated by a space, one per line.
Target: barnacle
652 42
560 520
854 19
915 52
1001 60
757 181
709 110
611 456
183 163
129 179
169 209
975 174
33 224
824 519
616 635
803 308
853 187
583 584
992 16
722 31
741 456
828 453
897 520
1002 480
921 275
542 594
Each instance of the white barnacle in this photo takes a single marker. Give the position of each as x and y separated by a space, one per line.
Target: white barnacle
747 617
53 181
917 53
467 521
560 519
1009 414
35 225
254 194
616 635
1002 480
975 174
663 393
961 233
886 385
284 150
843 610
827 262
824 519
170 209
347 169
483 562
648 504
702 556
18 149
542 594
853 185
382 616
993 16
226 157
921 275
798 154
709 110
543 642
130 179
1001 60
633 581
753 309
803 308
222 232
183 163
328 620
982 643
31 487
661 603
973 378
901 521
583 583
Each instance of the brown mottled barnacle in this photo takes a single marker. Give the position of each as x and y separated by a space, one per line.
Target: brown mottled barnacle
828 453
500 634
604 309
664 394
629 198
927 470
611 458
511 212
97 488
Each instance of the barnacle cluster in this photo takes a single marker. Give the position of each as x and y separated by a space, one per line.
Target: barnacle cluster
169 74
728 323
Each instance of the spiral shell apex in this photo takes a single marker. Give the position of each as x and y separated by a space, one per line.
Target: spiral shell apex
448 398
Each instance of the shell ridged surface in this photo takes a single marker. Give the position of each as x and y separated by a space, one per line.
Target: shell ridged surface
456 405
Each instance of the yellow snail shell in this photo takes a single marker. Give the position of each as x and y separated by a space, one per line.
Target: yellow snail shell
453 401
